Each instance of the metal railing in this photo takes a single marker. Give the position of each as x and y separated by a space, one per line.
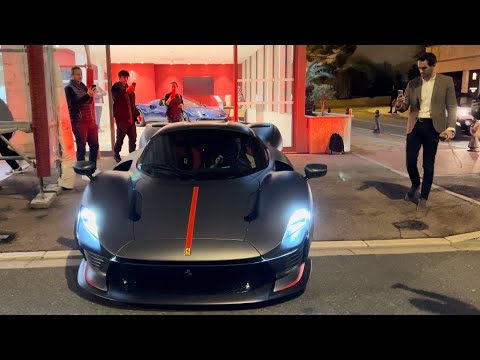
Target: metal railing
10 127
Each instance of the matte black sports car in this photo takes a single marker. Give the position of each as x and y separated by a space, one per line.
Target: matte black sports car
203 214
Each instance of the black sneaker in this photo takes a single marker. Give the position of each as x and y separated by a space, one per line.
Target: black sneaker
410 195
117 158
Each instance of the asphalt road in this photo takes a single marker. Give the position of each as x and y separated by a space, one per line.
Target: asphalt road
428 283
395 126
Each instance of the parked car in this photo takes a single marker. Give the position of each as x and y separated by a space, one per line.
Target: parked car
198 216
465 119
156 111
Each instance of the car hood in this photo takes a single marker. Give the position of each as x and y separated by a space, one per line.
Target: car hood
206 111
218 225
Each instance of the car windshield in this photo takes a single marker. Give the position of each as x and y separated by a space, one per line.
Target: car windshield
203 154
190 103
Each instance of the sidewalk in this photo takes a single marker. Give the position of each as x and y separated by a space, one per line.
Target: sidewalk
371 110
360 199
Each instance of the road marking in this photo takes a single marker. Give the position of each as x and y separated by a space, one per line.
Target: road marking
385 166
464 146
460 196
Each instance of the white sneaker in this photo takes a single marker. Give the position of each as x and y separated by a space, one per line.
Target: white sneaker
14 171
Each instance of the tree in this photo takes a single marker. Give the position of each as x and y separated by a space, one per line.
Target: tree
413 72
323 93
334 55
361 72
334 58
316 73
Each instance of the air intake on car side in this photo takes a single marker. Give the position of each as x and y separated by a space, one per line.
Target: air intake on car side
96 261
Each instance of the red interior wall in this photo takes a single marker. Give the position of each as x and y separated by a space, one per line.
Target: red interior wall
223 82
144 75
65 57
153 81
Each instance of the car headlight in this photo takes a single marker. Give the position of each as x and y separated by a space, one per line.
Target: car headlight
89 220
293 236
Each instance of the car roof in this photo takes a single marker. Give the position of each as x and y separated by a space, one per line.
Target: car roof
226 126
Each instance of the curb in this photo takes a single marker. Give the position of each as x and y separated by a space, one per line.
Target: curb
396 246
340 247
40 255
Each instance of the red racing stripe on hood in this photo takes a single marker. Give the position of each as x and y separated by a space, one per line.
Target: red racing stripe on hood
191 222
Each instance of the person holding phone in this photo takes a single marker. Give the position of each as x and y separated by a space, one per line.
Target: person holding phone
174 102
84 126
125 113
433 113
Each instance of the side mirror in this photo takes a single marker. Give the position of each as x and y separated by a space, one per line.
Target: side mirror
315 171
161 103
86 168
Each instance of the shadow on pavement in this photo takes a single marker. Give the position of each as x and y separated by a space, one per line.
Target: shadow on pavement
390 190
438 303
69 243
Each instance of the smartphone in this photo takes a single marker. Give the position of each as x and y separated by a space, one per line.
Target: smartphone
400 92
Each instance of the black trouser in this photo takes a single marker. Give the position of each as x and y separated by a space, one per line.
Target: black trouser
175 117
423 134
125 128
392 105
86 132
5 151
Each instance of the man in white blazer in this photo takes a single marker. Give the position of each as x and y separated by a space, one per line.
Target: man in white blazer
433 113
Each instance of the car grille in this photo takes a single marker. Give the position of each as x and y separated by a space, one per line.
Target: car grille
295 258
96 261
186 279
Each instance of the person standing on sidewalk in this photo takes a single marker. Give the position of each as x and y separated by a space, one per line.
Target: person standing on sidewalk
125 113
430 97
376 129
85 129
393 98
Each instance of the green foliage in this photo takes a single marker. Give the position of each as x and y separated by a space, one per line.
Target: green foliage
316 73
323 93
334 55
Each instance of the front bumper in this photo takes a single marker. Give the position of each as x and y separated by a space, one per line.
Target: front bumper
197 284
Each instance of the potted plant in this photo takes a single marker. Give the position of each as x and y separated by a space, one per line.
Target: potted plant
315 75
322 93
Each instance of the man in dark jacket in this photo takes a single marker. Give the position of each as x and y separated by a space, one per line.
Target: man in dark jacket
85 129
125 113
174 102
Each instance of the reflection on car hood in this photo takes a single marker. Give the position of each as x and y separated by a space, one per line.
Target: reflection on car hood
219 212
